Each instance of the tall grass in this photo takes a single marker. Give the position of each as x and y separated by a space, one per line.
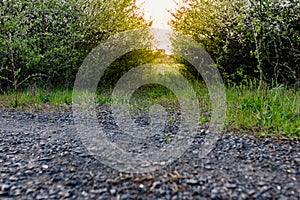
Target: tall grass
35 99
263 112
269 111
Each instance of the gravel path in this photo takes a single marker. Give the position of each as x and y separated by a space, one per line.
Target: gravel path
41 158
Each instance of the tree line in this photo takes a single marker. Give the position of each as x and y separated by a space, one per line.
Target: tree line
44 42
248 39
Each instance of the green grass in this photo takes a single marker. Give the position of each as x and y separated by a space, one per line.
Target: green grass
35 100
266 112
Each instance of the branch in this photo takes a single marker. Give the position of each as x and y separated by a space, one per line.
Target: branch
5 78
29 77
257 46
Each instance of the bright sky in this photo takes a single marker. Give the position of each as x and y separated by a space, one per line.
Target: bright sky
157 10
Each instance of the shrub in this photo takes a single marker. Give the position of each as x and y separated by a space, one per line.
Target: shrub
46 41
39 38
256 39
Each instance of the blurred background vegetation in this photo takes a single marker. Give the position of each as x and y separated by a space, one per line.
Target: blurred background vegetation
255 39
44 42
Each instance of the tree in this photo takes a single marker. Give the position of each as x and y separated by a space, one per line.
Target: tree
257 39
212 23
106 18
38 39
47 40
273 26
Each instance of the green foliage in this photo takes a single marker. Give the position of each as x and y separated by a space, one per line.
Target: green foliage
44 98
45 41
212 23
257 39
268 111
39 99
38 38
126 62
106 18
273 27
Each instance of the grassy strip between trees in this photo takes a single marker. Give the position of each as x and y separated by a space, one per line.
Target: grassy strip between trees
265 112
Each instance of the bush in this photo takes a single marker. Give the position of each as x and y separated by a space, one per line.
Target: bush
272 27
44 42
256 40
39 39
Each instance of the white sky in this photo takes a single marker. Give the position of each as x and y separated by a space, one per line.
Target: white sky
157 10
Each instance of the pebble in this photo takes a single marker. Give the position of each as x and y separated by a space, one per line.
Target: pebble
155 185
192 181
231 185
45 166
113 191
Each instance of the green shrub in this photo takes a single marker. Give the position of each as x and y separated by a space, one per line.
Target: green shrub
46 41
38 41
256 39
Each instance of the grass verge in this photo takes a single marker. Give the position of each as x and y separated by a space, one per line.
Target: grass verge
266 112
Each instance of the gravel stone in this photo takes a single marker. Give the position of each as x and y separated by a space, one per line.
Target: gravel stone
42 158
